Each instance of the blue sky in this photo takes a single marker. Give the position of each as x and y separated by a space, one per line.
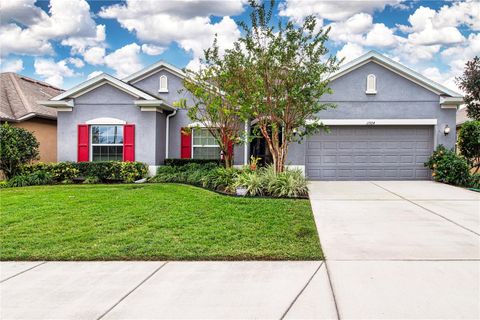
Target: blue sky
64 42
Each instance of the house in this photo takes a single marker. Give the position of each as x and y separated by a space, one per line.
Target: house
462 117
387 122
19 107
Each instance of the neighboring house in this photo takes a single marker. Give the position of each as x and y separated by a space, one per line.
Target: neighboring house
19 107
387 122
462 117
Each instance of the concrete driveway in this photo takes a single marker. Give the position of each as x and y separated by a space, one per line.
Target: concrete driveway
400 249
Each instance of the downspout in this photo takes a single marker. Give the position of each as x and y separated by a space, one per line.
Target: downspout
167 135
245 150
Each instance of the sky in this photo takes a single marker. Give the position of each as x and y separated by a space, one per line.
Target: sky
65 42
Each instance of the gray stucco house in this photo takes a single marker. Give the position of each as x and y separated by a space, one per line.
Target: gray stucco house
387 122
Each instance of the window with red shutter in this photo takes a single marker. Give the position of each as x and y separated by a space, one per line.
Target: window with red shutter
83 147
129 142
185 144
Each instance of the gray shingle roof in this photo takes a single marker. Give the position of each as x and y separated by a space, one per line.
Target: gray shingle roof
19 96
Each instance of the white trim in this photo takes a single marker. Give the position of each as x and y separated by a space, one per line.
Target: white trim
450 102
105 121
153 105
151 109
148 71
245 148
371 122
57 104
152 171
99 80
64 109
198 124
373 56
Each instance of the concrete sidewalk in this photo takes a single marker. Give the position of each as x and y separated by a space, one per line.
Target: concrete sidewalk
165 290
400 249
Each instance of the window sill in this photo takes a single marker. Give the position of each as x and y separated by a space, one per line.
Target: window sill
163 91
370 92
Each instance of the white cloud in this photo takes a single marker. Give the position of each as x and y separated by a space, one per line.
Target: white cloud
125 60
94 74
187 23
152 50
53 72
27 29
77 62
80 44
350 51
94 55
352 28
380 36
11 65
297 10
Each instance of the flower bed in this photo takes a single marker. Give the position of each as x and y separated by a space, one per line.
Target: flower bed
259 182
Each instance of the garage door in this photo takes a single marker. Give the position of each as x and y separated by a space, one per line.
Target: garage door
370 153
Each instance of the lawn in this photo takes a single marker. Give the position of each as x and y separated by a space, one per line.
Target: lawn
151 222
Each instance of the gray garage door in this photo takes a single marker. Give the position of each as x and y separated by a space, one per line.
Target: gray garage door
370 153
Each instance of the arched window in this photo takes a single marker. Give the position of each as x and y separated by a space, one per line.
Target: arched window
163 84
371 84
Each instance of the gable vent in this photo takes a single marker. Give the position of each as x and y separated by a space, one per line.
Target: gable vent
371 84
163 84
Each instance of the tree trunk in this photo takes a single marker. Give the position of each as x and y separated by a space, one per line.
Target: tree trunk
228 160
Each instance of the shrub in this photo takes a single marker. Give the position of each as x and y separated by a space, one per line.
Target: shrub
103 170
182 162
220 179
290 183
474 181
448 167
33 179
17 147
469 143
253 181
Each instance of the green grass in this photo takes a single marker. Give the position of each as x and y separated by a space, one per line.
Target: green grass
151 222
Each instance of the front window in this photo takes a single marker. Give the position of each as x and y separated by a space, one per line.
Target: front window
204 145
107 143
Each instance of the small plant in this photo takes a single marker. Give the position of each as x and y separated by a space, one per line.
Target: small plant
252 181
254 162
448 167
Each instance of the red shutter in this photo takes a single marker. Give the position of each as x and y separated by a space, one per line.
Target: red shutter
186 144
82 151
129 142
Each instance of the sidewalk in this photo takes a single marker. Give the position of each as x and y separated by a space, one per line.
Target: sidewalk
148 290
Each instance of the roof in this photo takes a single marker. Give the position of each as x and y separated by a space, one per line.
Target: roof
373 56
99 80
462 116
139 75
19 96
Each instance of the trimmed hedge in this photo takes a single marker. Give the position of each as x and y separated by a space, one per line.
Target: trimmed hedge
101 171
182 162
449 167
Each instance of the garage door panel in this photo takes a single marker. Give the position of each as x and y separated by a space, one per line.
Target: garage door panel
368 153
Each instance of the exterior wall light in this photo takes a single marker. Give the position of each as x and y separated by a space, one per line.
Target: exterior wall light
446 130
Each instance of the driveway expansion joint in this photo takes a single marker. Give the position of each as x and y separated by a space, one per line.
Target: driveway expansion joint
302 290
431 211
21 272
131 291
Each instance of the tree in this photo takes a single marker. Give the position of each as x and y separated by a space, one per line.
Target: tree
469 143
214 107
283 74
469 82
17 146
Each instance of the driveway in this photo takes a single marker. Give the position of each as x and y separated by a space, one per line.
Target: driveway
400 249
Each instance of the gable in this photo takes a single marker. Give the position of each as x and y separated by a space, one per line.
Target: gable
151 83
105 94
390 86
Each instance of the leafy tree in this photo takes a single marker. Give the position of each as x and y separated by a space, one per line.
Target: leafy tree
213 104
17 147
470 83
469 143
283 74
